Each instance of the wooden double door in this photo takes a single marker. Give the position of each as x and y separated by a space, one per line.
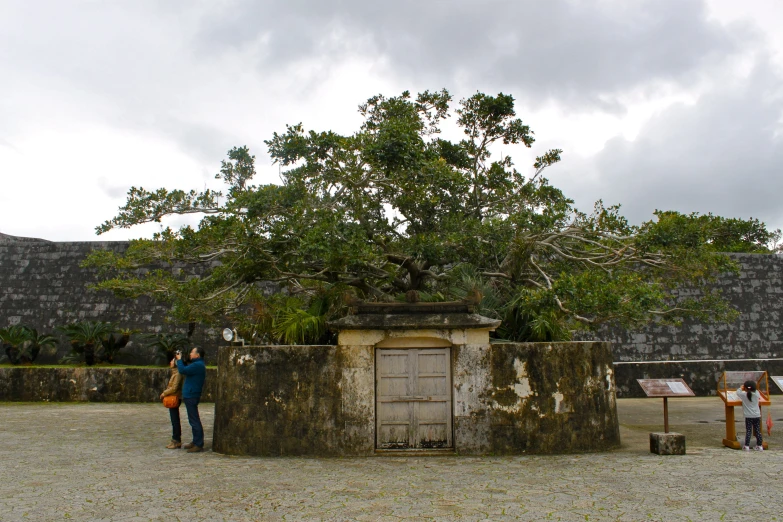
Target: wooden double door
413 394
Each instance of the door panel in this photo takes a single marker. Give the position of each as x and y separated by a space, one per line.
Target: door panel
413 389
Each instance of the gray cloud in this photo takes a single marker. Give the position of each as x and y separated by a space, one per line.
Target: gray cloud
724 154
211 75
572 52
124 64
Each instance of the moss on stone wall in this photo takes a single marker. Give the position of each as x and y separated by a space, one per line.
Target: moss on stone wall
281 400
551 398
508 399
92 384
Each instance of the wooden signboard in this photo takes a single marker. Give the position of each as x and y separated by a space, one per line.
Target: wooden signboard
778 379
728 384
665 388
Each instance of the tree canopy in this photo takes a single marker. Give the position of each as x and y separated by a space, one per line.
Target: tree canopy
396 207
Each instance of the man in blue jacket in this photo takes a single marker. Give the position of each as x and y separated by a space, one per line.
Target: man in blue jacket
194 373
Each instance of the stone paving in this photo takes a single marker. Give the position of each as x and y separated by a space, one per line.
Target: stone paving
107 462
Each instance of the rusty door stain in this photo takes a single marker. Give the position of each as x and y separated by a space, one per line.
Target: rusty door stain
413 392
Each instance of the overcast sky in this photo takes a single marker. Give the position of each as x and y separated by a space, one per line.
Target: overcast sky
667 104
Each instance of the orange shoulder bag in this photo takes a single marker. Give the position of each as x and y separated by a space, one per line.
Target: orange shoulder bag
171 401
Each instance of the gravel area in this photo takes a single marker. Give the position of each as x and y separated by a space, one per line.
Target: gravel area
108 462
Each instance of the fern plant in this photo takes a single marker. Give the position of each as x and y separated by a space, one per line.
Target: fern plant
293 320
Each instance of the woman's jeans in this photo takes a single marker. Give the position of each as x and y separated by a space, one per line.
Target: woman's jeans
176 426
191 405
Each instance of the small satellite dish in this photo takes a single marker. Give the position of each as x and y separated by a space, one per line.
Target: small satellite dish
228 334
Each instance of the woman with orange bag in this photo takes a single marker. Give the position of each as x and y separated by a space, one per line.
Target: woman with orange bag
172 397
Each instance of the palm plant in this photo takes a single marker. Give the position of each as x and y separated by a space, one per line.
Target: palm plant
112 344
85 336
12 338
526 315
23 344
298 322
38 342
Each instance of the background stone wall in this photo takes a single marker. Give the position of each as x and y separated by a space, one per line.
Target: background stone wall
701 375
757 292
42 286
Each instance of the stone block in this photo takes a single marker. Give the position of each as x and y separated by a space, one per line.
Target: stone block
667 443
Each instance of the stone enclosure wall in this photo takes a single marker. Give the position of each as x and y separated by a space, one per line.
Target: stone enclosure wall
507 398
68 384
698 352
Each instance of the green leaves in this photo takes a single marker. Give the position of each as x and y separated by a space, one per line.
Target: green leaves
22 344
238 170
145 206
395 207
166 344
673 230
487 119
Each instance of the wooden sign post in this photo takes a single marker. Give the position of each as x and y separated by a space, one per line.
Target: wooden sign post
665 388
666 443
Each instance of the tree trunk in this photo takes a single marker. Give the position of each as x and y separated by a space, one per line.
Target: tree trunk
89 354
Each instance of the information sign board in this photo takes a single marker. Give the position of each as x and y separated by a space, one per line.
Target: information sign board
665 388
778 379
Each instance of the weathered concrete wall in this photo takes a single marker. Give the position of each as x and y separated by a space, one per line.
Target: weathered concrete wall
551 398
507 398
30 383
42 286
701 376
293 400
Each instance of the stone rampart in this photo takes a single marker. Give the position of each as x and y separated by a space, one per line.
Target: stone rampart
43 286
701 375
756 292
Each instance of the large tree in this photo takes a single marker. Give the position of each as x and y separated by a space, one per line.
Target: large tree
395 207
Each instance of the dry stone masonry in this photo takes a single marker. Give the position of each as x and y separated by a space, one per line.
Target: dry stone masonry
43 286
700 352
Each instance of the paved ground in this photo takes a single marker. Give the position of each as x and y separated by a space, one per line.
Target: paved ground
107 462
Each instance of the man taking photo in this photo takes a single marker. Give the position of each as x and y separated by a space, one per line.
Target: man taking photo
194 373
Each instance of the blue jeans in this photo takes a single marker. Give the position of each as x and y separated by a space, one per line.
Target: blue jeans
176 426
191 405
